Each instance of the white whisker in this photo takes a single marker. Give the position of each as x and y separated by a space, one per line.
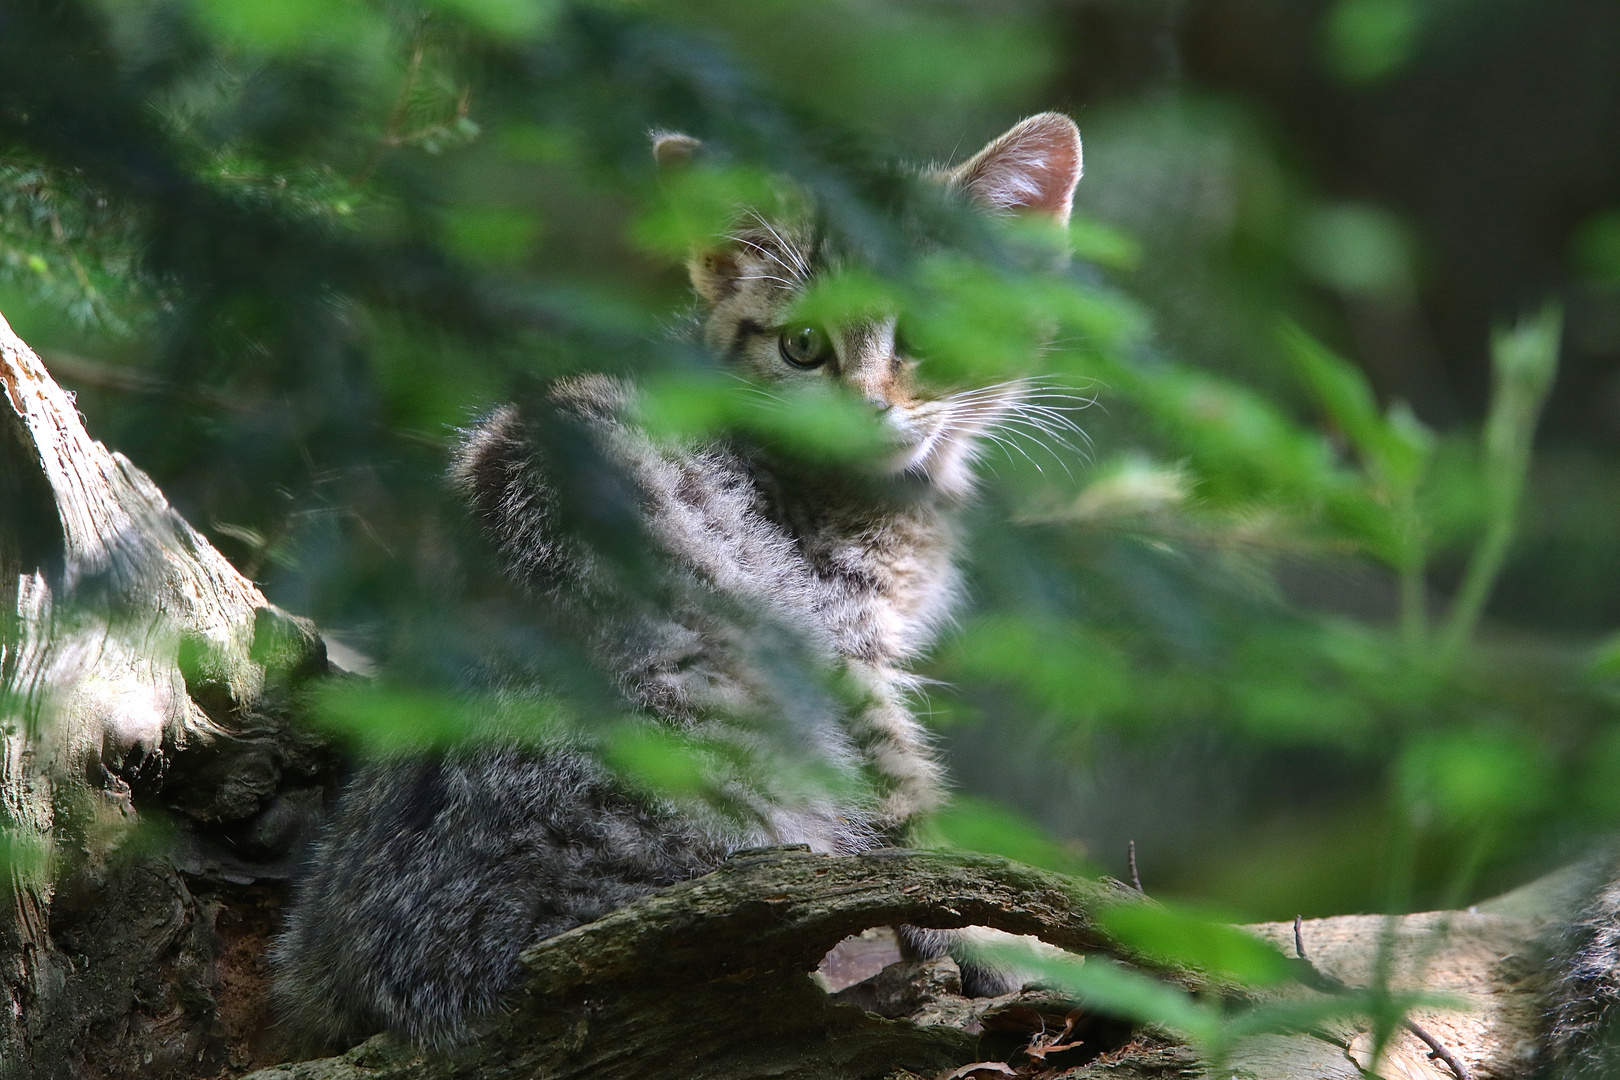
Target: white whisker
1035 438
800 267
1057 435
782 282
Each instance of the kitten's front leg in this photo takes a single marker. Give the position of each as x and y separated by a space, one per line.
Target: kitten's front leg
894 747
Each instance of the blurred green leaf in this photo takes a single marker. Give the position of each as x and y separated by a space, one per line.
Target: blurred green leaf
659 760
1470 778
1103 244
512 19
1360 250
1115 990
1339 387
1604 662
971 323
1128 486
388 718
492 235
1282 707
702 204
1524 359
279 26
1241 445
844 297
970 824
680 408
1395 449
819 422
1181 936
1596 247
538 145
1600 774
1369 40
815 420
1067 670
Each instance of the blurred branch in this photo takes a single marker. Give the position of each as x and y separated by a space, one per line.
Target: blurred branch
1524 360
103 376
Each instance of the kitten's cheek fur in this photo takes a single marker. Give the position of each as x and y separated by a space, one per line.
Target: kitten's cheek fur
942 453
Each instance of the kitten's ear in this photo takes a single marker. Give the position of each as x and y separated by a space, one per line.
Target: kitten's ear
714 273
671 149
1034 167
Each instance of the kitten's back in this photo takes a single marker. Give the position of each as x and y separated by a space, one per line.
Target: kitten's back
436 872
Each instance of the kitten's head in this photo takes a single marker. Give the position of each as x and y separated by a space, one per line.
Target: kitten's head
750 284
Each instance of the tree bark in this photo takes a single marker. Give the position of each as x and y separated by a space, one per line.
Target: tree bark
142 679
134 661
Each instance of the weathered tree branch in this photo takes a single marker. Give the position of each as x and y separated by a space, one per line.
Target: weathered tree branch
132 655
785 908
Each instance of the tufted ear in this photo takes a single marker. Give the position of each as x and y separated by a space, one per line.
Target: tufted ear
714 273
1034 168
671 149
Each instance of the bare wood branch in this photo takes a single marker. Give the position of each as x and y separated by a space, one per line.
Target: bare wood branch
125 640
708 980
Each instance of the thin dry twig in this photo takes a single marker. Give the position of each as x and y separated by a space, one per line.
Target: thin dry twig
1437 1050
1043 1044
1136 879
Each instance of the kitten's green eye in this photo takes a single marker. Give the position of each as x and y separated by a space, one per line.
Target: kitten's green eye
804 347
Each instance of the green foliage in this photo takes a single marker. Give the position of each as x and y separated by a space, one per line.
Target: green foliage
700 205
67 246
392 718
814 422
1113 989
1361 250
659 761
1208 944
1597 247
970 824
1368 40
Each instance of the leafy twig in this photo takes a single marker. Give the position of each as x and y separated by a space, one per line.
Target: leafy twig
1523 362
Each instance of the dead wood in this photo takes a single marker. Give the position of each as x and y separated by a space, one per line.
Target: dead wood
134 661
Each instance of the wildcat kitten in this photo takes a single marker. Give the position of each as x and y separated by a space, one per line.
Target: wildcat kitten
435 872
